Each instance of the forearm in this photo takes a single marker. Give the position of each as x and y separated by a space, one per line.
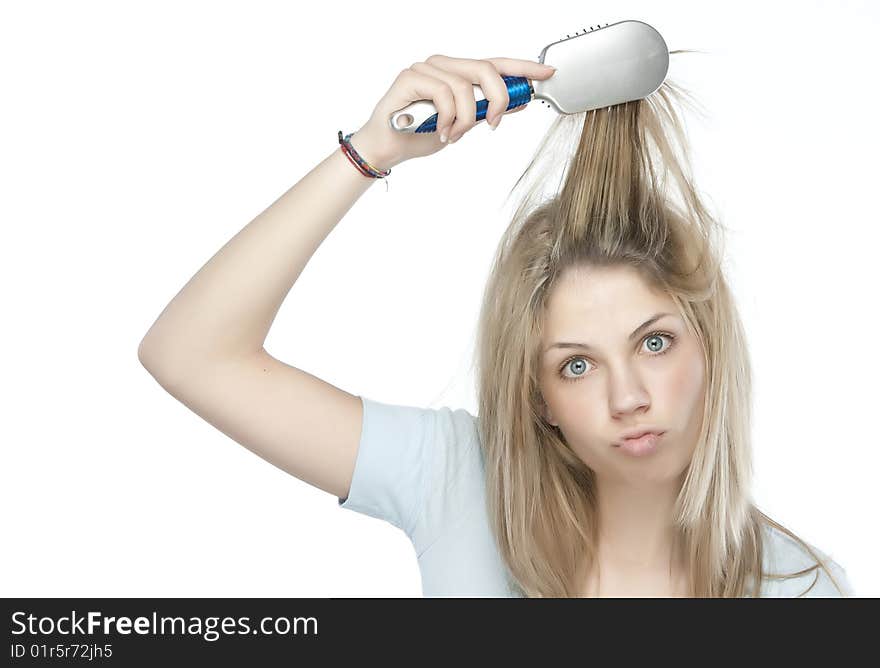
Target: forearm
227 308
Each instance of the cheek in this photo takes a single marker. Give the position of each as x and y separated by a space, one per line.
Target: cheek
581 408
686 381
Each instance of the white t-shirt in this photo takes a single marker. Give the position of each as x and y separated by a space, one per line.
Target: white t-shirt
422 470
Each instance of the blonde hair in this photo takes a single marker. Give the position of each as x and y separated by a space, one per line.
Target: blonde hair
615 207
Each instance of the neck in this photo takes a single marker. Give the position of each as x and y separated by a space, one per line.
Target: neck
637 536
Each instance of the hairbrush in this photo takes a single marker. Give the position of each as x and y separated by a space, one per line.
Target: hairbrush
597 68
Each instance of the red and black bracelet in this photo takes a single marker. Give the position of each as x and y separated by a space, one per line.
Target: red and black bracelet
363 166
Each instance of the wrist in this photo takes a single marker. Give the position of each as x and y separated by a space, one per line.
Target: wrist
373 150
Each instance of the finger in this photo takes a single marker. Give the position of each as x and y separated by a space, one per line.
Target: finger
484 74
465 106
514 67
414 85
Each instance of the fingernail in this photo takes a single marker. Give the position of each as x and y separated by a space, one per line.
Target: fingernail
443 136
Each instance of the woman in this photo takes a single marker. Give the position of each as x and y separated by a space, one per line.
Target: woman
606 314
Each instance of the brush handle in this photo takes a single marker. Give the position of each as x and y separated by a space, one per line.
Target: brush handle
421 115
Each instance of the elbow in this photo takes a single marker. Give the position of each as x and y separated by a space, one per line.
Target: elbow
145 356
153 359
159 366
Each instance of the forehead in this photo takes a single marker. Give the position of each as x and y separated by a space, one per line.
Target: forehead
589 301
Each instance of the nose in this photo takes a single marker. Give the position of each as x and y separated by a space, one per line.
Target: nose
626 392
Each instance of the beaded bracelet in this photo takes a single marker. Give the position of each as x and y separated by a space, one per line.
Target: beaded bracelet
363 166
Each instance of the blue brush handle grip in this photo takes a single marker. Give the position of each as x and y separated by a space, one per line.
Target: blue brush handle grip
519 91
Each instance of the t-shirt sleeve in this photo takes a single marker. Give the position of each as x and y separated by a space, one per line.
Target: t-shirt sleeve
410 463
390 471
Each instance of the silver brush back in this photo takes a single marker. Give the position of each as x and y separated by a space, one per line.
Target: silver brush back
604 66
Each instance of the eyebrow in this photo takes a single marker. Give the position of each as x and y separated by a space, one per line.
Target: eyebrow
650 321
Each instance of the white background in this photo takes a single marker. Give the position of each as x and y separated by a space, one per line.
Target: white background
138 138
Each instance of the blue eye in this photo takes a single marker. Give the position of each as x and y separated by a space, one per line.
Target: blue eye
654 346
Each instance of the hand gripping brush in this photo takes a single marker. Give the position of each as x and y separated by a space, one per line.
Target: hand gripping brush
600 67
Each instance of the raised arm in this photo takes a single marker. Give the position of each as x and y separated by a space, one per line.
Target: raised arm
207 346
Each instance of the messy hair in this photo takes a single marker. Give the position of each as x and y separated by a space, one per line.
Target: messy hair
626 198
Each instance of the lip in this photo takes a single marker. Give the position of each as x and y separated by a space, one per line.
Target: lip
641 446
637 433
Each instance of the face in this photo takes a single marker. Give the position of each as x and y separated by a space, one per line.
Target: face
655 379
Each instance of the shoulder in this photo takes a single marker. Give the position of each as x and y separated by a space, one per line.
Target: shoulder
457 425
456 470
784 556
